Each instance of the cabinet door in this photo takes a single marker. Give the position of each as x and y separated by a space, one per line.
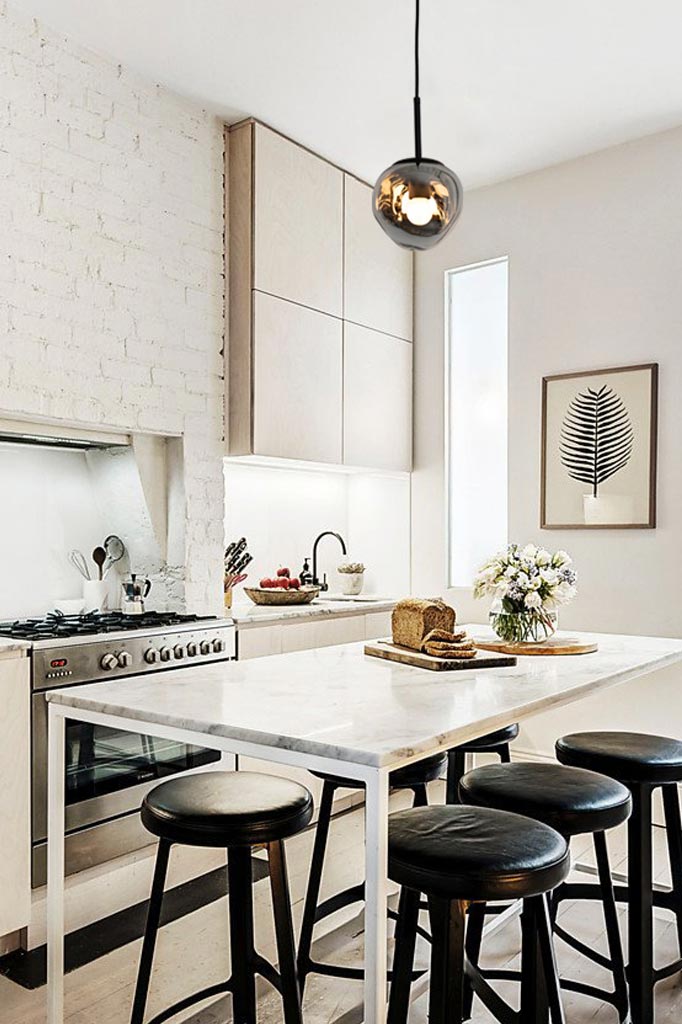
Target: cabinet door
377 272
298 222
259 642
297 382
377 410
15 797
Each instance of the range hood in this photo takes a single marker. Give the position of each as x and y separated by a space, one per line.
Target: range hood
53 435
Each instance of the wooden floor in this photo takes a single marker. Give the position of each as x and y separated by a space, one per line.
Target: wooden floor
192 953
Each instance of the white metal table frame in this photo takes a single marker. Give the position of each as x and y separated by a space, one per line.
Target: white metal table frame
375 780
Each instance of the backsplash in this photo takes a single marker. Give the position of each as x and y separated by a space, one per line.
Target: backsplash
281 511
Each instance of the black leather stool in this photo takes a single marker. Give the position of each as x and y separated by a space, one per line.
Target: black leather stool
237 811
497 742
413 776
574 802
643 763
462 855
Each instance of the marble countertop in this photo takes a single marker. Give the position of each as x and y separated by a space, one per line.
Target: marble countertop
8 646
338 702
248 615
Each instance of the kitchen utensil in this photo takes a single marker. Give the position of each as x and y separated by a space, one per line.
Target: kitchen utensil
99 557
115 549
78 561
234 554
135 590
404 656
274 596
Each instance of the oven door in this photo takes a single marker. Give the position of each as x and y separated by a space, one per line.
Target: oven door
108 770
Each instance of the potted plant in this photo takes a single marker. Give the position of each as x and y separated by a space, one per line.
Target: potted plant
527 586
352 577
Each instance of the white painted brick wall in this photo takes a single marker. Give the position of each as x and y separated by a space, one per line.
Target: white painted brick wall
111 287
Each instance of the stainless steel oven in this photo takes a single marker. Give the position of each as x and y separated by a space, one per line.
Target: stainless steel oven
108 771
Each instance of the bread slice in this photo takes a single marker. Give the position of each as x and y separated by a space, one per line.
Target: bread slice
449 651
442 636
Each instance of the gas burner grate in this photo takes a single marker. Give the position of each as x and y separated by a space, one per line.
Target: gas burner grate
56 625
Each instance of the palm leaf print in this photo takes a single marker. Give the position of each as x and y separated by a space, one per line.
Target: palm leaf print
596 436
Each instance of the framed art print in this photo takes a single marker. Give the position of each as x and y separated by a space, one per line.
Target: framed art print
599 433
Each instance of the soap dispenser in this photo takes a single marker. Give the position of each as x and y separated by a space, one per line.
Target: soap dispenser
305 575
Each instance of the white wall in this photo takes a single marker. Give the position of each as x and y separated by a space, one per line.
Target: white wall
111 288
595 264
281 511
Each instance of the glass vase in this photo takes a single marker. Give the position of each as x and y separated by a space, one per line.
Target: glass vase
530 626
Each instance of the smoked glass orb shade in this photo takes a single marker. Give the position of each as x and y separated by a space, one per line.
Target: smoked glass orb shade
417 202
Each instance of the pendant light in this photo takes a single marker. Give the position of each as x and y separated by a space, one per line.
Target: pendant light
416 201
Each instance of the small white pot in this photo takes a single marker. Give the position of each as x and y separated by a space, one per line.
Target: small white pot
351 583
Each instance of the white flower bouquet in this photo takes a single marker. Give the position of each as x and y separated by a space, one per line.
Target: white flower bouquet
527 584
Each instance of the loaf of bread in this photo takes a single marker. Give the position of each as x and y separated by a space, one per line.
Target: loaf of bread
413 620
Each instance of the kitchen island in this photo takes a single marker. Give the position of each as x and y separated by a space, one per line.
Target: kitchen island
333 710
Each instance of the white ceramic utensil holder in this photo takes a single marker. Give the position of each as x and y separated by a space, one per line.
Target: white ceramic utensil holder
95 595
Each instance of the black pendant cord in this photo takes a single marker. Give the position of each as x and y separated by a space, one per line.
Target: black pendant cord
417 104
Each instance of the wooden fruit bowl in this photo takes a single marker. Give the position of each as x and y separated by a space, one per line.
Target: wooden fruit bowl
275 596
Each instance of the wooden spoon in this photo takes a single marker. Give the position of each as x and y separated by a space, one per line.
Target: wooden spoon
99 556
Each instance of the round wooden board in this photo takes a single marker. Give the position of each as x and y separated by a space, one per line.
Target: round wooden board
556 645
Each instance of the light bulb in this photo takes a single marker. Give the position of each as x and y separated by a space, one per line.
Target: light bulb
419 210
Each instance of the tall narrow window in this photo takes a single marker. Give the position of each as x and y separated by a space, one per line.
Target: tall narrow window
476 416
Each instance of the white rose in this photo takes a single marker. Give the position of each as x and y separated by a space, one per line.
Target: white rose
533 600
561 558
530 552
549 576
543 557
523 580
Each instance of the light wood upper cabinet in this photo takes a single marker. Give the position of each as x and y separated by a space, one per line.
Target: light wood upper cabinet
377 412
298 378
298 224
377 272
306 265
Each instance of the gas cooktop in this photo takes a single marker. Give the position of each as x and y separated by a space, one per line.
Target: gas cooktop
56 625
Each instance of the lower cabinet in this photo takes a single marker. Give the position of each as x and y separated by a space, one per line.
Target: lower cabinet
15 799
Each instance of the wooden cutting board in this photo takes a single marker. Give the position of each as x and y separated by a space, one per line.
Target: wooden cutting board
403 655
555 645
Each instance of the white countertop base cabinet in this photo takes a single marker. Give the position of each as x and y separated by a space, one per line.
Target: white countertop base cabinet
15 797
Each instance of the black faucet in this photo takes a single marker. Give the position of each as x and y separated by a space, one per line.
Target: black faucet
327 533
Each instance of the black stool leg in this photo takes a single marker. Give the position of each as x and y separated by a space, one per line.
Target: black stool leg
421 796
284 933
403 957
312 895
456 768
151 929
446 990
549 965
505 754
640 919
534 1004
615 945
240 899
472 946
673 829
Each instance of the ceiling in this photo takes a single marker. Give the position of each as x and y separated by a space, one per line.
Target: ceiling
508 86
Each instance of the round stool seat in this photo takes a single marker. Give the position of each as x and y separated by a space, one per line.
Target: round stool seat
474 853
629 756
488 744
417 774
572 800
227 809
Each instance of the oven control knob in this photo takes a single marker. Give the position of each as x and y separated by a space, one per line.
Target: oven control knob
108 661
179 651
124 659
165 653
151 656
191 649
205 647
218 646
